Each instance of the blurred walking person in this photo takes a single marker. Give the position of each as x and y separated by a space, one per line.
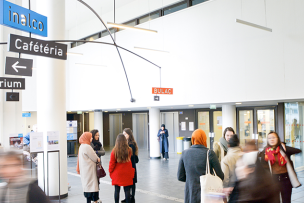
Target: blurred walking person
15 186
221 147
134 159
192 165
120 168
86 167
228 165
163 135
276 158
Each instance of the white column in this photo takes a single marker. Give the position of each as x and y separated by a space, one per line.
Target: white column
98 124
51 97
154 126
229 116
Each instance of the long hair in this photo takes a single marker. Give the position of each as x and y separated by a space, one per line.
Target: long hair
131 139
279 141
122 149
228 129
94 132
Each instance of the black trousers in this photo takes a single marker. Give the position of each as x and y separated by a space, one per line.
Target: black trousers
165 154
127 190
284 186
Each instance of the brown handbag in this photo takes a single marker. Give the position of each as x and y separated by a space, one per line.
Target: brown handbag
100 171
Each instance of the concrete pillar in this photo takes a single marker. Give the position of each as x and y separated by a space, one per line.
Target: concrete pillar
154 126
98 124
51 97
229 116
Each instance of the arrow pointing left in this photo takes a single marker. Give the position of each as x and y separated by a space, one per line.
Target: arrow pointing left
18 66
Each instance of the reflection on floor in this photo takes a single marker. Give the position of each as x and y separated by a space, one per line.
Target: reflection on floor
156 182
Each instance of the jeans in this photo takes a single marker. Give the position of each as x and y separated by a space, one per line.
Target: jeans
284 186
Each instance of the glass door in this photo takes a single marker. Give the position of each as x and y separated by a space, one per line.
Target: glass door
255 123
210 121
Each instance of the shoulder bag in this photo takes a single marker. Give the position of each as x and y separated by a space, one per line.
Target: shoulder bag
100 171
211 186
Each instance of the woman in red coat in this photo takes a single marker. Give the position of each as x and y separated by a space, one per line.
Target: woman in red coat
120 167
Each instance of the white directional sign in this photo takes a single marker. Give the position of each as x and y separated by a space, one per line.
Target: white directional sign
18 66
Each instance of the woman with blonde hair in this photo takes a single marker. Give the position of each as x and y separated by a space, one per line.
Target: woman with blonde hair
134 159
120 167
192 165
86 167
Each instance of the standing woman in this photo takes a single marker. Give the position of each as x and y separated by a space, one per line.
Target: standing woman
192 165
120 167
163 141
221 148
134 159
86 167
276 158
96 145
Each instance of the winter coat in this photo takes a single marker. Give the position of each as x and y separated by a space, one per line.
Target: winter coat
219 151
99 150
192 165
122 174
87 165
289 165
228 165
163 138
134 161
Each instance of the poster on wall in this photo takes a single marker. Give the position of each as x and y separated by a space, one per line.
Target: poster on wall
191 126
72 130
183 126
53 141
219 120
36 142
16 141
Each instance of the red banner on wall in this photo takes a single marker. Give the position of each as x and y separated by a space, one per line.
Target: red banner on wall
157 90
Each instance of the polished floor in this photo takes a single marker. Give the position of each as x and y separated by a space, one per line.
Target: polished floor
156 182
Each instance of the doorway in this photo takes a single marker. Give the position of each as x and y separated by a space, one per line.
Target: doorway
210 121
140 129
255 123
115 127
170 119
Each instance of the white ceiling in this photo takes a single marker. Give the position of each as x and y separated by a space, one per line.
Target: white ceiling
77 13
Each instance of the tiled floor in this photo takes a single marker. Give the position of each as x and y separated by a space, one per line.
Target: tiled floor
156 182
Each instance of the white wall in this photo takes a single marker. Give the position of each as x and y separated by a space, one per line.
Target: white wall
211 59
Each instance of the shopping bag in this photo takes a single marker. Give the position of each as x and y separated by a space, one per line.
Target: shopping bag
211 186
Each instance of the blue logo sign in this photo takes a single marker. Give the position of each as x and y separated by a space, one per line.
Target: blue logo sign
23 19
26 114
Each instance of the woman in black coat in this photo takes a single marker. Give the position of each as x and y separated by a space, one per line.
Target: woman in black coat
96 145
134 158
276 158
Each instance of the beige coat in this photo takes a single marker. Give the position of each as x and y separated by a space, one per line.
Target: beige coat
219 151
87 165
228 165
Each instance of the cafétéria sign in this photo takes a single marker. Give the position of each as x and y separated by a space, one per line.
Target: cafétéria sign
20 18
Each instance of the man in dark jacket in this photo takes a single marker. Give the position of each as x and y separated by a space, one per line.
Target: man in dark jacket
16 187
163 141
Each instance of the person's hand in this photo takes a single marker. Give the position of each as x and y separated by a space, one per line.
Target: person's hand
98 160
227 190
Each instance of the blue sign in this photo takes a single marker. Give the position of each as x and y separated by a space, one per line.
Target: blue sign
23 19
26 114
20 135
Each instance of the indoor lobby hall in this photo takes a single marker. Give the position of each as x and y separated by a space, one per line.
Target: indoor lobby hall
157 182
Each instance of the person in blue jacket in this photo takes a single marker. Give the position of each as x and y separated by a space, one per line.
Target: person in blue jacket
163 141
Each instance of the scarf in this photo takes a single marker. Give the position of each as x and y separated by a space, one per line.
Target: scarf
199 138
84 139
224 144
97 144
270 156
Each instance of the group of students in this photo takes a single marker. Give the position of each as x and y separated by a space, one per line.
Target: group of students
248 175
122 166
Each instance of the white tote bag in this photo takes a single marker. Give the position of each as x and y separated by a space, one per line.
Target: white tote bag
211 186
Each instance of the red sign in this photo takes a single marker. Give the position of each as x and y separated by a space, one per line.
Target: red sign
157 90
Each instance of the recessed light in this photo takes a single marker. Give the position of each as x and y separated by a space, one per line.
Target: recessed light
191 105
106 111
245 114
149 107
87 112
238 103
129 110
117 109
70 111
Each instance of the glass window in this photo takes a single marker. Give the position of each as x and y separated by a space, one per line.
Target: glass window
93 37
80 43
175 8
265 124
149 17
294 124
131 23
73 45
217 125
245 126
104 33
194 2
203 123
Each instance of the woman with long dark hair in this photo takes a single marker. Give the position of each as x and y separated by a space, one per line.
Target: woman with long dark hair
134 159
276 158
221 147
96 144
120 167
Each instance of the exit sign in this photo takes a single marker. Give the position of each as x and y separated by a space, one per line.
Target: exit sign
212 106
